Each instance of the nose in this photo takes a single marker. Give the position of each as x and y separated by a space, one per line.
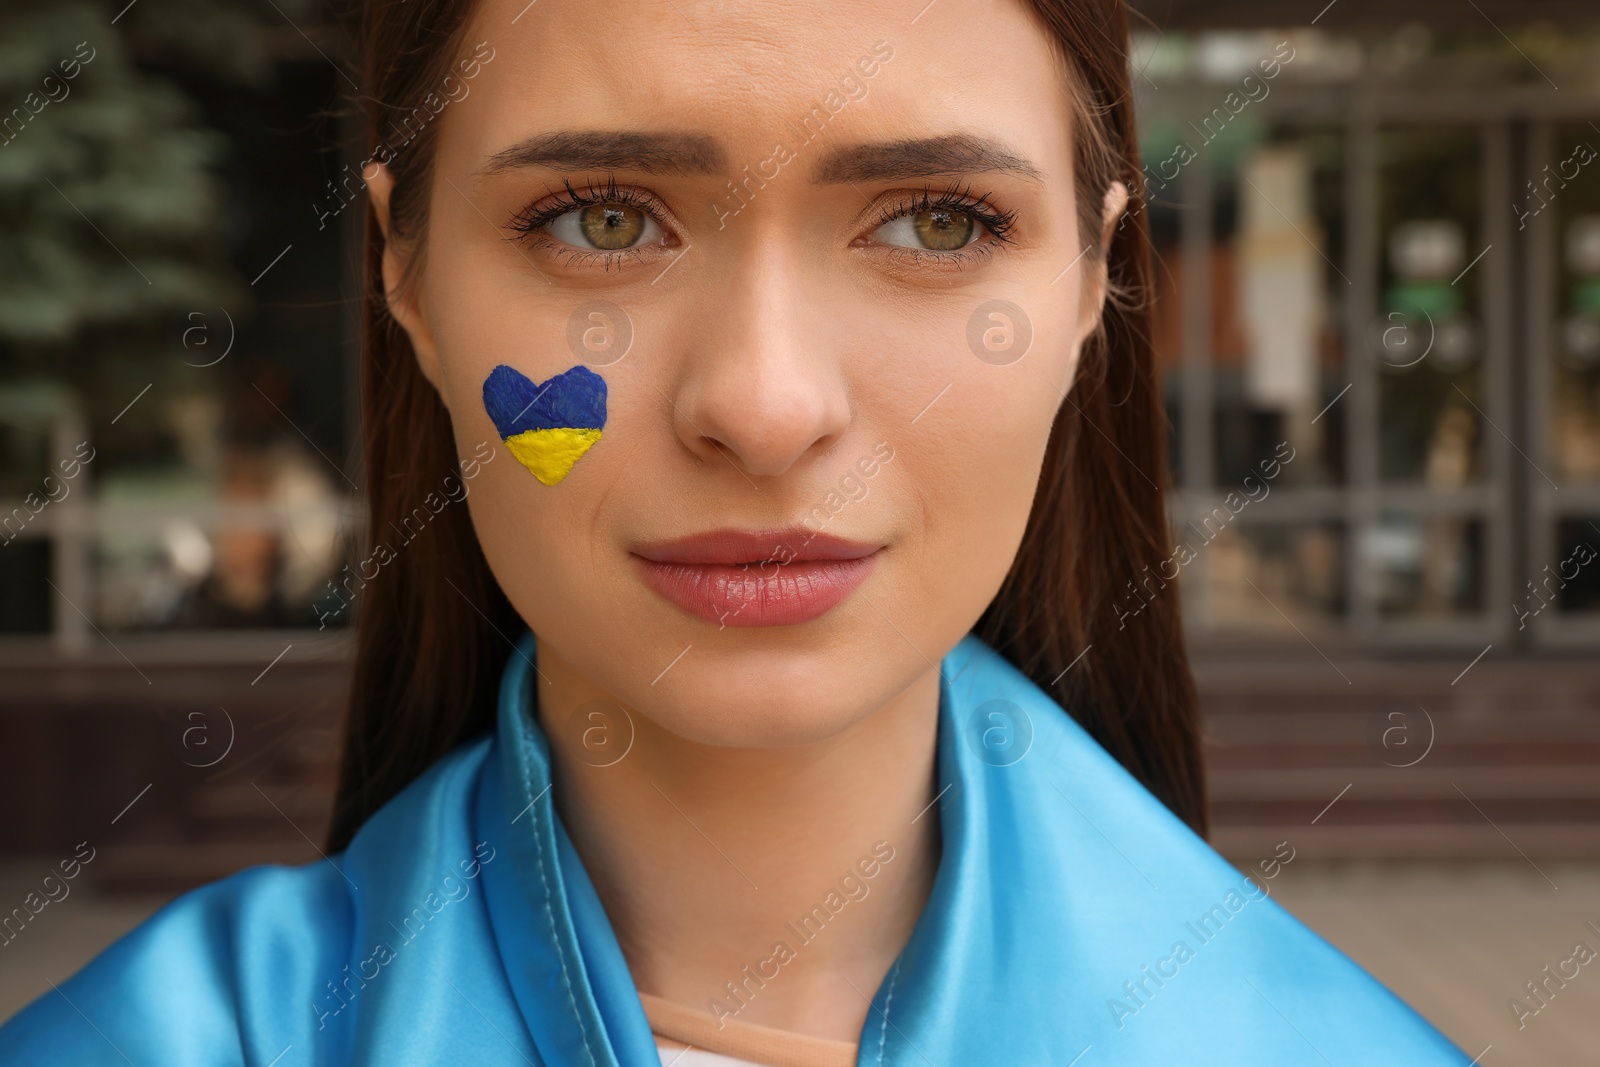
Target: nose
763 383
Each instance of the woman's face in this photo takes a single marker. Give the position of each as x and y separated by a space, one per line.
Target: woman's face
824 258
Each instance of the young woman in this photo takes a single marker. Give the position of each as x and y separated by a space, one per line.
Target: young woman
761 436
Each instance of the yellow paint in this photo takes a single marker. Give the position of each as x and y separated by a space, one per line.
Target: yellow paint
550 454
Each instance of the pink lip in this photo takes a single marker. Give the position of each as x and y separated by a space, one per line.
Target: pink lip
756 577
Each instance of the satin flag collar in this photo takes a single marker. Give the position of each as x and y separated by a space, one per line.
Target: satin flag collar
1073 918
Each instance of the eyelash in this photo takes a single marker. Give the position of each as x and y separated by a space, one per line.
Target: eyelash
999 223
529 224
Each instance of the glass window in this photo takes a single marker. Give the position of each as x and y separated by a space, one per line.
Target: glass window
1425 568
1570 185
1272 576
1277 294
1573 581
1428 337
25 607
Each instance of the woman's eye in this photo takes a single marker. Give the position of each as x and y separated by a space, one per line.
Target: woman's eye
605 227
937 230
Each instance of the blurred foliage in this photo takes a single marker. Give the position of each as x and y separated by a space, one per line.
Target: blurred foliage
110 204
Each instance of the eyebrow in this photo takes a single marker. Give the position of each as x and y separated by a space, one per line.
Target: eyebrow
693 154
956 153
652 153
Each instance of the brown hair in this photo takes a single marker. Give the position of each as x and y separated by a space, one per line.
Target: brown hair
435 630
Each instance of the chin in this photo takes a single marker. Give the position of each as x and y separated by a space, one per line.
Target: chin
751 687
771 693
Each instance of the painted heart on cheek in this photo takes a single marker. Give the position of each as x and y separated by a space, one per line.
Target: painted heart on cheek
547 425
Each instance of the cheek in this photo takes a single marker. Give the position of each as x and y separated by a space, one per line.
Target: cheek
976 467
529 542
555 429
544 545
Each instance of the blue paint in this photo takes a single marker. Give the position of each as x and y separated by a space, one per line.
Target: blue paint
574 399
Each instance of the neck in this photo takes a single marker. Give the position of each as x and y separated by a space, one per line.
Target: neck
771 886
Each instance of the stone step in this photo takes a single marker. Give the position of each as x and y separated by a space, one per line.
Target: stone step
1237 785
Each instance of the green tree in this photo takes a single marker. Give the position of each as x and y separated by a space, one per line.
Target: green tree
110 206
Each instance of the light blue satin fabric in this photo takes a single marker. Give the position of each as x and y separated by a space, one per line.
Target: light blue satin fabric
459 927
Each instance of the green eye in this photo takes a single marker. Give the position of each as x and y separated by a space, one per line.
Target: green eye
940 229
943 230
611 226
604 227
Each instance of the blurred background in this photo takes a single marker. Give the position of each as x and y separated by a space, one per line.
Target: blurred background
1378 315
